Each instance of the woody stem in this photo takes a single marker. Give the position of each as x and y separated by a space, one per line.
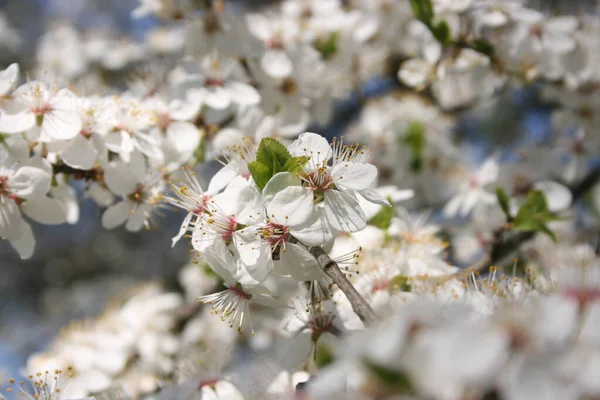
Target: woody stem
331 268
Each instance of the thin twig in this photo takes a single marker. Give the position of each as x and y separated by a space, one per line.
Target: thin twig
331 268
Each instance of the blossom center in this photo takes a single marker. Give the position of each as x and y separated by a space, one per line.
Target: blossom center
224 224
3 185
208 383
202 204
163 120
41 109
275 234
318 180
214 81
319 325
239 292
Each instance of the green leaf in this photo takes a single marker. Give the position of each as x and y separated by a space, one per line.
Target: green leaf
441 31
323 354
484 46
199 153
414 137
503 201
328 46
423 10
383 219
399 283
397 380
260 172
295 164
533 215
270 150
271 158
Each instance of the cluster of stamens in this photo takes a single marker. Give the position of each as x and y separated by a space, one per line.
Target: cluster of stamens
232 304
43 386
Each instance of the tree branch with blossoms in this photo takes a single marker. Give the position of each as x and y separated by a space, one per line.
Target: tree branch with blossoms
500 247
331 268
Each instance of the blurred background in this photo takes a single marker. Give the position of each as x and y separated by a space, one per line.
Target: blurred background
77 268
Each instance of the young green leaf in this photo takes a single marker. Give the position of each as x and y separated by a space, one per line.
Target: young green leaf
503 201
441 31
295 164
423 10
328 46
260 172
383 219
271 149
414 137
533 215
391 378
484 46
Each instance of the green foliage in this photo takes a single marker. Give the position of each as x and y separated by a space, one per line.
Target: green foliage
503 201
260 172
328 46
416 140
271 158
441 31
294 164
272 152
396 380
323 354
423 10
383 219
483 46
199 153
534 215
399 283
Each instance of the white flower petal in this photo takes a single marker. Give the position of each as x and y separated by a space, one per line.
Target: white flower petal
316 231
303 265
258 25
184 136
292 206
559 196
221 179
226 390
276 63
119 179
16 123
117 214
353 175
343 211
138 217
80 154
564 24
242 93
67 199
25 243
311 145
183 230
61 124
30 182
44 210
279 182
217 98
8 78
219 259
414 72
249 206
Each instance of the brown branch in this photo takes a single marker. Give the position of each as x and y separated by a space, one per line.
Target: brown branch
331 268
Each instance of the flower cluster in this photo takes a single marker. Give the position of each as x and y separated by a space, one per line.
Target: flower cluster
300 243
265 209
